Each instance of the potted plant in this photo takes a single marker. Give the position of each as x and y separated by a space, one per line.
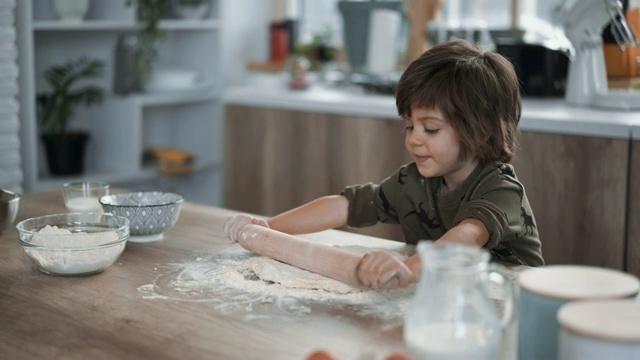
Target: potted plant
150 12
56 108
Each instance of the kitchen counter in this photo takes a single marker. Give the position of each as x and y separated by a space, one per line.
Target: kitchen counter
150 304
551 115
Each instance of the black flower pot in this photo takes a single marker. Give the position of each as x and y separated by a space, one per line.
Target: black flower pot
65 153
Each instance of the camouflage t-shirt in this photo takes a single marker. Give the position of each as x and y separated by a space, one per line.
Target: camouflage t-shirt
491 194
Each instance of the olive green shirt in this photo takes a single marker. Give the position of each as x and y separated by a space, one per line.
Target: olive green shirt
491 194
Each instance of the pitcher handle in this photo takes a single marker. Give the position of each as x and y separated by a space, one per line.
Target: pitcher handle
498 274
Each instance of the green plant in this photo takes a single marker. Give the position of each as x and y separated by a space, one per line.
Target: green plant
57 107
150 12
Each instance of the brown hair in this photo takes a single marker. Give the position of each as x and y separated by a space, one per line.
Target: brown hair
477 91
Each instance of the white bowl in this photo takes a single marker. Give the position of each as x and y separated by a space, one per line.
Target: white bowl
74 243
171 80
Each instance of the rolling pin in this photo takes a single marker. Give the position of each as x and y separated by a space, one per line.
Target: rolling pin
329 261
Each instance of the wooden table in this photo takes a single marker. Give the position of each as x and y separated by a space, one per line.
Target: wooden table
111 315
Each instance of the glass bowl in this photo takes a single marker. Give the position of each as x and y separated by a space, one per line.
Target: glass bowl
9 205
73 243
150 213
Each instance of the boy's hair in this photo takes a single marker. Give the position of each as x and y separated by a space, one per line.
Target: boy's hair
477 91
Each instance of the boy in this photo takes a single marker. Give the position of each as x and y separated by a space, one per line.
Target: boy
460 106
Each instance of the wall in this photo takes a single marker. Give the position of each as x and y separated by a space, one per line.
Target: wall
10 158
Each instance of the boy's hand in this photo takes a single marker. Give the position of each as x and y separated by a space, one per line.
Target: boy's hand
235 223
383 270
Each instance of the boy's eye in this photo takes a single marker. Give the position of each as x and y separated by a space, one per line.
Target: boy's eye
408 128
431 131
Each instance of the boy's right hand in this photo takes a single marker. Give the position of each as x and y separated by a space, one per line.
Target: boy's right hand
235 223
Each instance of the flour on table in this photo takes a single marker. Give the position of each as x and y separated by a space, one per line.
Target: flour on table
239 281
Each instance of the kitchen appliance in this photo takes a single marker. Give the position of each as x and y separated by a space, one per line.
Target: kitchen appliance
357 18
587 79
541 64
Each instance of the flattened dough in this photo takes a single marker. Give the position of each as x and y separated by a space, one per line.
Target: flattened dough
293 277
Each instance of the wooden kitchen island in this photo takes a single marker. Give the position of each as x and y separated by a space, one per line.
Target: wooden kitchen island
140 307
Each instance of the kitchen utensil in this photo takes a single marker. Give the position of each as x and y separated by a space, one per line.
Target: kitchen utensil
452 315
74 243
545 290
9 205
332 262
151 213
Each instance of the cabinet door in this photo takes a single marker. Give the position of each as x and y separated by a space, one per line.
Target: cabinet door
633 242
276 160
577 188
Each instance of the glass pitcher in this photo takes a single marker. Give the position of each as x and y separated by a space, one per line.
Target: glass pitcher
452 315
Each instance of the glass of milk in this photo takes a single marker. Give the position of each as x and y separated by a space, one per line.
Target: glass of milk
82 196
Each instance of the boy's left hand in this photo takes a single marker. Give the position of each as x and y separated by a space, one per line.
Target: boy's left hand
383 270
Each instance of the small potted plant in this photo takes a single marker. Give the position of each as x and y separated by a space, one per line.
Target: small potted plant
56 108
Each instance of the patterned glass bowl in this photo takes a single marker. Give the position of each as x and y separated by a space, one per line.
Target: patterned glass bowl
151 213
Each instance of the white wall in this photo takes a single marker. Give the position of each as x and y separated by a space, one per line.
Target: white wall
10 159
246 37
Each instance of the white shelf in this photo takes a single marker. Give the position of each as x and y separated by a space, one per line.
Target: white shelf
117 25
124 125
178 97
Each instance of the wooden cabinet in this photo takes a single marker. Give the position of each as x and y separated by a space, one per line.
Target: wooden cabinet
280 159
276 160
633 236
123 126
577 188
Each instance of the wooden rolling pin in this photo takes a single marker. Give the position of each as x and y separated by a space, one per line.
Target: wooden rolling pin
329 261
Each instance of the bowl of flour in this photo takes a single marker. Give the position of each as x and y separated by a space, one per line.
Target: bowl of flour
74 243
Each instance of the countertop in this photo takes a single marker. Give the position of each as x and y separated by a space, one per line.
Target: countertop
170 300
551 115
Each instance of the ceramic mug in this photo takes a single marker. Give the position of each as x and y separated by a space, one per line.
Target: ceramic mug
591 330
544 290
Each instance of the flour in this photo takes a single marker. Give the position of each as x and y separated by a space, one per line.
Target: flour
228 281
59 251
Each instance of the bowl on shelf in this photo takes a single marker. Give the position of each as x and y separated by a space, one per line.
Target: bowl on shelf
151 213
167 80
73 243
9 205
191 9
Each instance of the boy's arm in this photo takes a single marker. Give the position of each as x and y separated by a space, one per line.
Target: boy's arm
380 269
468 231
324 213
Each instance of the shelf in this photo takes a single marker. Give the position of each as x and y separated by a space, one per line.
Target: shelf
115 25
122 125
177 97
110 178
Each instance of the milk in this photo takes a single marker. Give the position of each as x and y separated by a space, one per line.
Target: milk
449 341
84 204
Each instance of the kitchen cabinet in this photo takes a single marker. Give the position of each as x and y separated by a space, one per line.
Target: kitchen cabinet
633 236
123 126
576 186
278 159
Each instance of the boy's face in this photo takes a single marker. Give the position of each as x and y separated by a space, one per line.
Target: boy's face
434 146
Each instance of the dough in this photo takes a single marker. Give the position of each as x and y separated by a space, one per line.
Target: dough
293 277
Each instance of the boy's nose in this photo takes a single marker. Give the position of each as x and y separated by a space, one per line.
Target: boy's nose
414 138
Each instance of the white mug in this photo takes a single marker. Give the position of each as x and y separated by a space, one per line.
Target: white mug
591 330
544 290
